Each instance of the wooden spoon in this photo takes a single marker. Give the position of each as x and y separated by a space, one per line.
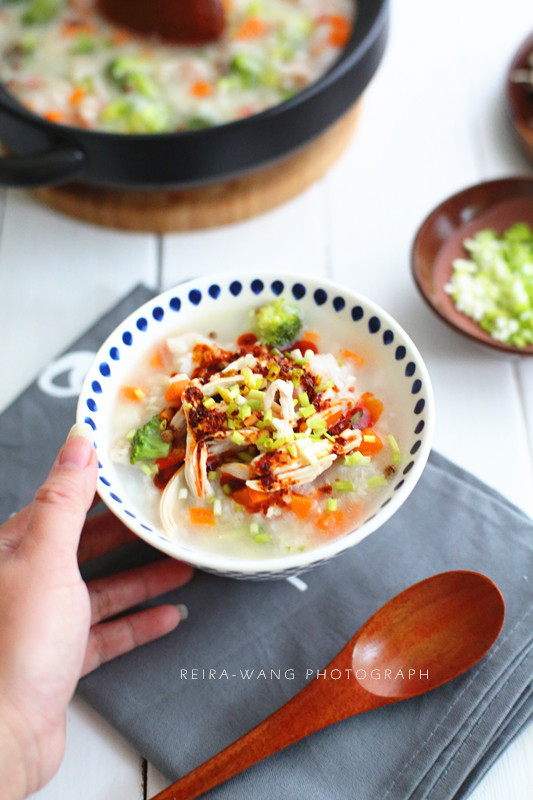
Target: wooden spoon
422 638
179 21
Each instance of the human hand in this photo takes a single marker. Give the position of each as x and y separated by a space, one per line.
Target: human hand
52 628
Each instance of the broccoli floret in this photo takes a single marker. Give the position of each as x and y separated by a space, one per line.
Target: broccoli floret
277 323
41 11
147 444
135 116
129 74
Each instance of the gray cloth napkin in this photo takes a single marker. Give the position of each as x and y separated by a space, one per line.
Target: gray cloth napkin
164 699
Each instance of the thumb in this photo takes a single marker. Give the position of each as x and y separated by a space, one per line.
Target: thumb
57 513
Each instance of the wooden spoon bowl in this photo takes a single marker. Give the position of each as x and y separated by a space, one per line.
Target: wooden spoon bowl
421 639
190 22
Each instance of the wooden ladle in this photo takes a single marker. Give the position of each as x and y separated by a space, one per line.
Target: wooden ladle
189 22
422 638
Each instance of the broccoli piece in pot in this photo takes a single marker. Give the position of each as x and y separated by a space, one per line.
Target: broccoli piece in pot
147 444
277 323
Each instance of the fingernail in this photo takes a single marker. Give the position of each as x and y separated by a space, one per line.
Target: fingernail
81 429
78 449
184 611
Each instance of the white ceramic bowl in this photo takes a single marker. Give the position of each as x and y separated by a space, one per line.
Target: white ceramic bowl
325 305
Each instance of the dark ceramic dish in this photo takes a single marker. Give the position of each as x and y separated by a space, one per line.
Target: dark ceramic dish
48 154
520 99
494 204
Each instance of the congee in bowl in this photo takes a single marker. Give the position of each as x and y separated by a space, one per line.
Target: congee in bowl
257 429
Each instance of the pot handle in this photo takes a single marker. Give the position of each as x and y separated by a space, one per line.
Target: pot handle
47 168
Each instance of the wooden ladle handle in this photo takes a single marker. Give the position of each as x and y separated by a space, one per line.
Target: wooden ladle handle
322 702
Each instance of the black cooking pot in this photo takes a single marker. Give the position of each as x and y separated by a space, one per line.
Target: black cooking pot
46 154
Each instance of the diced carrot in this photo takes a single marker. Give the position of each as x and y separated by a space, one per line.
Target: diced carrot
120 36
202 516
227 5
331 523
371 443
71 29
158 358
133 393
202 89
174 391
251 29
251 499
341 29
77 96
374 406
349 355
335 417
301 504
54 116
175 456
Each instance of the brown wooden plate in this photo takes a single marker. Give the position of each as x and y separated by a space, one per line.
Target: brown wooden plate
520 99
439 240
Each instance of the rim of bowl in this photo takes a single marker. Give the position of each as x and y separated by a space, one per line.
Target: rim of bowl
298 561
453 200
355 49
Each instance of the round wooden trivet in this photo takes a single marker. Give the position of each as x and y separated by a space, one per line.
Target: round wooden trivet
209 206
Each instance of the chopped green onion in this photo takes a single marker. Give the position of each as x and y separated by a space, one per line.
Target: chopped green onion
307 411
376 480
256 394
245 411
396 454
261 538
209 402
325 386
273 371
356 458
292 450
238 507
237 437
226 488
344 486
267 416
217 507
212 475
254 528
304 399
317 423
232 408
332 504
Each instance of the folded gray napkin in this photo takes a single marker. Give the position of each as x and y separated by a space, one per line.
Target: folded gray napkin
247 648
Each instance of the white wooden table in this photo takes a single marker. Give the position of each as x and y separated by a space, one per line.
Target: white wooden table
433 122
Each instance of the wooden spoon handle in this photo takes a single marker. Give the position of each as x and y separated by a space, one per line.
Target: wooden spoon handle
322 702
